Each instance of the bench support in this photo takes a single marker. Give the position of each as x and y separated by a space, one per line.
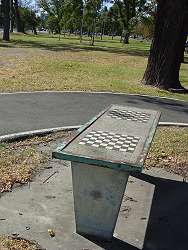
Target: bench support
98 193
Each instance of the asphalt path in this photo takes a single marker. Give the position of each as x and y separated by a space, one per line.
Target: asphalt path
21 112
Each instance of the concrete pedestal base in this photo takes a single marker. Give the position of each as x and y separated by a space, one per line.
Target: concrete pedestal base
98 194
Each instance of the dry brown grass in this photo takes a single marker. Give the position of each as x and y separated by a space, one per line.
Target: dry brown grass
20 160
82 70
17 165
10 243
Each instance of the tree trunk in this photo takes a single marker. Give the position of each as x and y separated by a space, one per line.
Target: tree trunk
34 30
127 22
102 24
168 45
93 31
81 29
126 38
113 30
12 25
19 25
121 38
11 16
6 19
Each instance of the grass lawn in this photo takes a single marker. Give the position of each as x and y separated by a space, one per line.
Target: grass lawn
43 63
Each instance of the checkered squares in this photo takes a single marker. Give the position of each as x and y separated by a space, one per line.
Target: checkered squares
129 115
110 141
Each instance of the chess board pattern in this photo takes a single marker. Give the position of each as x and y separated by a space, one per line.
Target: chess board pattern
129 115
110 141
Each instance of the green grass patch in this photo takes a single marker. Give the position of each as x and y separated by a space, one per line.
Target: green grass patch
2 146
43 62
170 150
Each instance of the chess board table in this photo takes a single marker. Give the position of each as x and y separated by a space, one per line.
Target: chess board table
102 155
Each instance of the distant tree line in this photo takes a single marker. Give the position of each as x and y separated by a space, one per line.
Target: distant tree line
91 17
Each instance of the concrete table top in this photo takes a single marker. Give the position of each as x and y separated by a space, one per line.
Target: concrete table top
119 137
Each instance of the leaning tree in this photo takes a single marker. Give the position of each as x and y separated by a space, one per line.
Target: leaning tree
171 29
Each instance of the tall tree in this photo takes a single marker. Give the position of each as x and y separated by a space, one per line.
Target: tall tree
6 19
170 34
73 15
103 20
127 10
83 5
1 17
93 7
55 9
12 15
29 19
19 24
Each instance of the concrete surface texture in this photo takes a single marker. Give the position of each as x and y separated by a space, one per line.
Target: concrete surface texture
98 194
31 111
153 214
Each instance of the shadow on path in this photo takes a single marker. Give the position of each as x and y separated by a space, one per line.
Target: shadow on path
163 102
168 220
167 225
115 244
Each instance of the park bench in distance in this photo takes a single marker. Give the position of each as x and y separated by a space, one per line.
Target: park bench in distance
103 154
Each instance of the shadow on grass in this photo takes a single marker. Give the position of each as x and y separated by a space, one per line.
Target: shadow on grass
60 46
167 224
6 44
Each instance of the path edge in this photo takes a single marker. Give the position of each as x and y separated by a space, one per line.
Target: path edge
38 132
91 92
42 132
